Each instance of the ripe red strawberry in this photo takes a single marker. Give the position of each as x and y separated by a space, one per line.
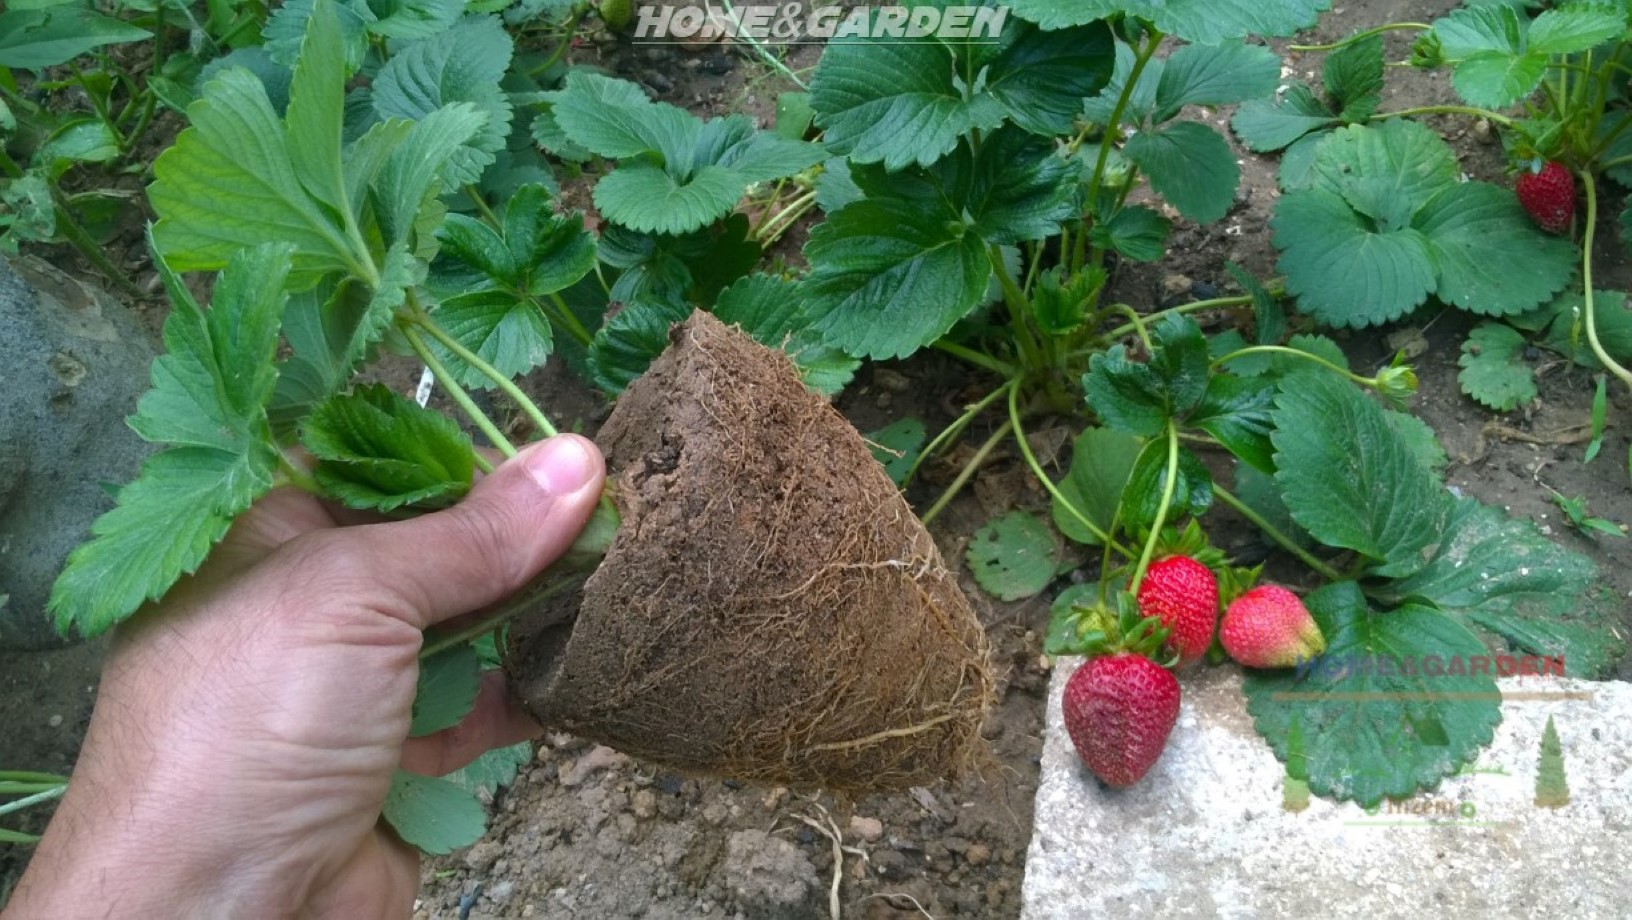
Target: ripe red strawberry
1183 594
1119 710
1268 627
1548 196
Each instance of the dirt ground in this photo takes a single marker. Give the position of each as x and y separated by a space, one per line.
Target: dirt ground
588 832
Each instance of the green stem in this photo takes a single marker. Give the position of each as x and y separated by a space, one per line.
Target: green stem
1137 322
977 358
1618 161
482 208
1359 36
505 613
1048 483
570 321
38 798
1293 352
1112 130
299 478
1588 308
1497 117
561 49
1166 504
9 166
424 321
80 239
98 104
785 219
1274 533
1030 349
1193 307
771 60
455 391
970 413
967 473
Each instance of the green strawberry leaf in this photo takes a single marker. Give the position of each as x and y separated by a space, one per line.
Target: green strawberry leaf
693 267
1190 165
1141 397
1384 223
903 103
1350 479
1500 574
34 39
288 24
1499 57
897 447
1265 125
1062 308
888 277
772 310
1268 319
1141 498
379 451
1567 334
208 403
1101 462
1494 371
1389 710
1212 75
1205 22
1236 411
645 198
495 769
1491 258
448 683
1354 79
232 179
676 173
1419 438
1141 102
1135 231
1014 557
433 815
463 63
506 331
628 342
417 18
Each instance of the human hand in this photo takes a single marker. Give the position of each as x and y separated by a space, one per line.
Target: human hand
247 727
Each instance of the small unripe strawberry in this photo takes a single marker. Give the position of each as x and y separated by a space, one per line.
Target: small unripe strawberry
1119 710
1548 196
1268 627
1183 594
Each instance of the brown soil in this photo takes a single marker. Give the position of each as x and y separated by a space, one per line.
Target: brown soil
771 608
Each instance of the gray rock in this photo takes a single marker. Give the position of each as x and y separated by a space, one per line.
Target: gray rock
73 362
1206 833
763 870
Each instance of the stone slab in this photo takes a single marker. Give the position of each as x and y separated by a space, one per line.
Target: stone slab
1206 835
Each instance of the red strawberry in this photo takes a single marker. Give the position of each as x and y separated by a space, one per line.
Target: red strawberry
1548 196
1183 594
1119 710
1268 627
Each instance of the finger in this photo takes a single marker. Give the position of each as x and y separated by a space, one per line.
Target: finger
512 524
495 722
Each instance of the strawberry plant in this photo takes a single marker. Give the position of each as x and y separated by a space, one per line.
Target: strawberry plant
1377 221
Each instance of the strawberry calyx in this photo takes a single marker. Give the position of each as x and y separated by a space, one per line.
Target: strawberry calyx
1191 542
1234 581
1101 630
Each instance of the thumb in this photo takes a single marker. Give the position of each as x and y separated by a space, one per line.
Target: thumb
513 524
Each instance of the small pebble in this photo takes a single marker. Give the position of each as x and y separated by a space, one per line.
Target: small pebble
868 830
978 854
54 721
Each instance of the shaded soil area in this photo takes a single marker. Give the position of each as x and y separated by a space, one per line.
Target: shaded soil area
588 832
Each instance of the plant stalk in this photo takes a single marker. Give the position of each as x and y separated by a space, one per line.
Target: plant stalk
1588 308
967 473
455 391
1169 487
1048 483
1274 533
